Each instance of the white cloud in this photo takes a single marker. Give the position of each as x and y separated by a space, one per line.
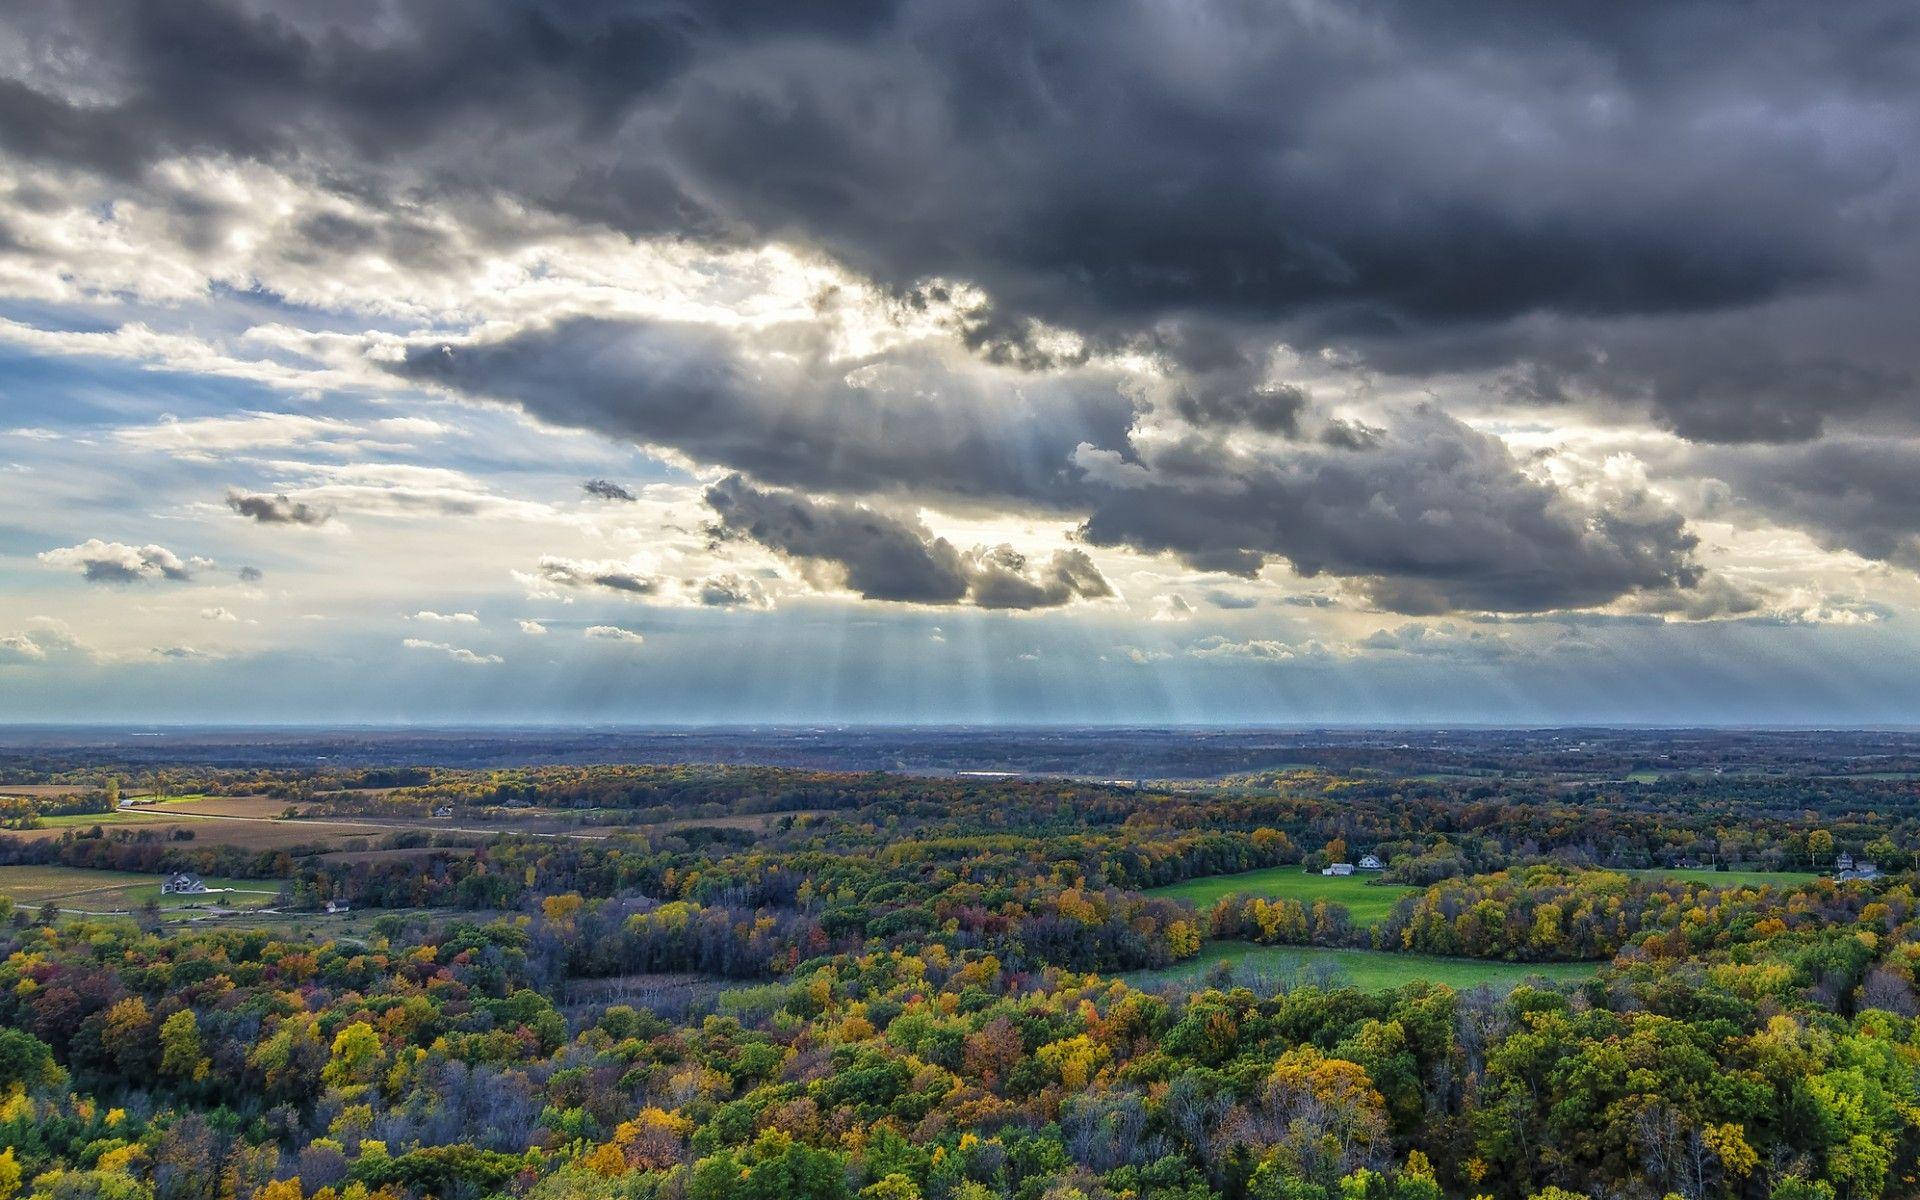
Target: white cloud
209 436
44 639
456 653
453 618
16 648
116 562
614 633
533 628
1172 608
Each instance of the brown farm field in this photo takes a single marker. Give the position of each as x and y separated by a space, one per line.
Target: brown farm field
390 855
264 808
248 835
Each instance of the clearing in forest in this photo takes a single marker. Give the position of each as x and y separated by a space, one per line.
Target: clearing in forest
1366 900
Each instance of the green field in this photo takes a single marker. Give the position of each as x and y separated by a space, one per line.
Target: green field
119 816
108 891
1367 901
1728 878
1369 970
31 885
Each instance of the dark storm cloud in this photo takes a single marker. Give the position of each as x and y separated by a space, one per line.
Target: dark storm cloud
1851 493
883 557
1376 164
1724 378
1432 515
1434 518
270 508
1269 408
1700 209
607 489
1002 577
889 556
799 421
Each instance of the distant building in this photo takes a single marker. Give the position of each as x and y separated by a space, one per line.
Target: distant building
1843 864
182 883
1371 862
1337 869
1858 869
445 810
338 906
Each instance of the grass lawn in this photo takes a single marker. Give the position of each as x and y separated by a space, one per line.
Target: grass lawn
32 885
107 891
119 816
1367 901
240 893
1729 878
1267 967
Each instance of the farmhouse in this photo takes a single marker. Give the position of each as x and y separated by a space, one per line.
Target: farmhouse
1337 869
1371 862
445 810
182 883
338 906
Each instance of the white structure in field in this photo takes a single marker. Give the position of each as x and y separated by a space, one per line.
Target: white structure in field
1337 869
1371 862
182 883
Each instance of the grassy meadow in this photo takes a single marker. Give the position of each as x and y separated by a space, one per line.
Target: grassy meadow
1368 901
1368 970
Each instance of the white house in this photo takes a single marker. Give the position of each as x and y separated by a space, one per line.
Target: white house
445 810
182 883
337 906
1371 862
1337 869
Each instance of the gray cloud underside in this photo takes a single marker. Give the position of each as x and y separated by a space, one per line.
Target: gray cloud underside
1434 517
572 573
1703 209
1855 494
798 421
1430 514
275 508
116 563
1577 193
891 556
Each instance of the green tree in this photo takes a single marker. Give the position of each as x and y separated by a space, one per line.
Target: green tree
180 1051
26 1061
774 1168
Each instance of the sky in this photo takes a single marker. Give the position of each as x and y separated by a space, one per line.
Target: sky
464 361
